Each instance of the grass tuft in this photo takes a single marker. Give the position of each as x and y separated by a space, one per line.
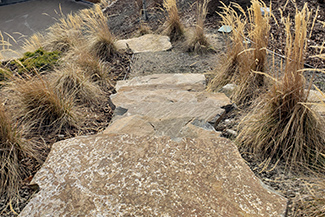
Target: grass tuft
198 43
244 60
13 149
174 27
71 81
43 108
34 42
64 34
283 126
231 61
100 38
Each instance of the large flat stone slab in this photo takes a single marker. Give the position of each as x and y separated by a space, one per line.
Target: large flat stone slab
192 82
171 103
175 128
145 43
144 176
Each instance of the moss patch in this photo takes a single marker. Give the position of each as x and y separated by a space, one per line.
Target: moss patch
40 60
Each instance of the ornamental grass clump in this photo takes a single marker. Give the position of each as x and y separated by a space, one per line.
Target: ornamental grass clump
63 34
232 62
283 126
42 108
13 149
100 39
174 27
246 53
252 77
97 70
71 81
198 42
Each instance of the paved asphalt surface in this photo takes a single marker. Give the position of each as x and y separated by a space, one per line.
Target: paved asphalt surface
22 20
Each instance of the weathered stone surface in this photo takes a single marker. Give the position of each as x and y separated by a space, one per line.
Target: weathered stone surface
144 176
175 128
193 82
145 43
228 89
171 104
315 96
134 124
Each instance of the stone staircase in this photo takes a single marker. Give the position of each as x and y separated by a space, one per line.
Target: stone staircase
159 157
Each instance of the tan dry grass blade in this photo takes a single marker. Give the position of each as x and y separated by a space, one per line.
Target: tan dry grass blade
42 108
174 27
198 42
282 126
13 148
33 43
231 61
65 33
72 81
100 39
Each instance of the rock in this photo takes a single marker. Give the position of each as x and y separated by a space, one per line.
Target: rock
228 89
165 104
174 128
134 124
145 43
127 175
315 96
231 133
190 82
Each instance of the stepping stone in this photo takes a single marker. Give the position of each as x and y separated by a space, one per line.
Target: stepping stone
192 82
145 43
128 175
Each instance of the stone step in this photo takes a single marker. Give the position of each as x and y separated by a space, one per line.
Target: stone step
164 104
160 156
145 43
189 82
128 175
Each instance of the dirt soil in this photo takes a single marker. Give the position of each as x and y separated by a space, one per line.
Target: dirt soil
125 22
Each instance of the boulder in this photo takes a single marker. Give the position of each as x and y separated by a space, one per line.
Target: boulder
128 175
145 43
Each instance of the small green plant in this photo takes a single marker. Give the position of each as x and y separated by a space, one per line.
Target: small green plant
40 61
174 27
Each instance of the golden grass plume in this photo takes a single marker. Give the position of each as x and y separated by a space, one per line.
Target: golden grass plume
100 38
174 27
13 149
42 108
198 42
283 126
